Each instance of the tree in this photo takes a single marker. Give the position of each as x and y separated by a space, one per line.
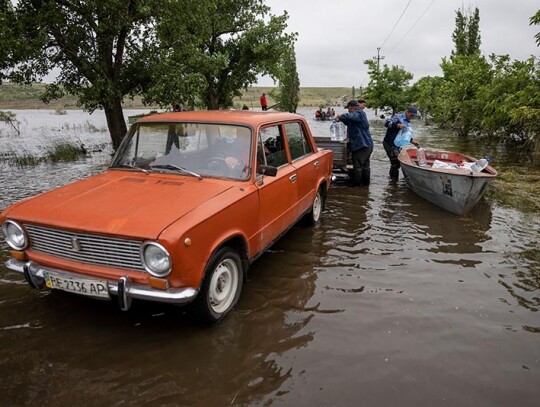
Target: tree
512 100
287 94
217 49
425 95
460 108
6 36
387 88
101 48
466 35
465 72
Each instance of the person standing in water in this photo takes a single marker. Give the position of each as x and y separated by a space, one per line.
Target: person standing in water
393 125
360 141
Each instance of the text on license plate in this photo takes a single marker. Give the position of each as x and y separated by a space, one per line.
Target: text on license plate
92 288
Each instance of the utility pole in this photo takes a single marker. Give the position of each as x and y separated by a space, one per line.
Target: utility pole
378 58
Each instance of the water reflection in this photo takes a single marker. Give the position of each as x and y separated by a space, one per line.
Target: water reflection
450 233
153 354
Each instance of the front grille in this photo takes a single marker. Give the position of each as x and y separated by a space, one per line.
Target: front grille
93 249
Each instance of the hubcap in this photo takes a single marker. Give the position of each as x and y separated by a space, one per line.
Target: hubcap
223 285
317 207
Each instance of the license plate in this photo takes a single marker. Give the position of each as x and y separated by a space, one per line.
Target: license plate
91 288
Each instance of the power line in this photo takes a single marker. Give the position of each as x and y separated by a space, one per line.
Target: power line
416 22
395 25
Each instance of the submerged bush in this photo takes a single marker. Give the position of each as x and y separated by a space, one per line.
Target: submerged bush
11 120
65 151
19 160
25 160
58 151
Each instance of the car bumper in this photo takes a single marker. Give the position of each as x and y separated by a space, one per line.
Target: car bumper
124 288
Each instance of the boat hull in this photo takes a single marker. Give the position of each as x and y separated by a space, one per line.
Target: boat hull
455 190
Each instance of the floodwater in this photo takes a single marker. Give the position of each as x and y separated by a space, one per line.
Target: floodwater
388 301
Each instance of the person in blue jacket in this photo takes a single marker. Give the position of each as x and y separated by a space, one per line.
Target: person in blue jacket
360 142
393 125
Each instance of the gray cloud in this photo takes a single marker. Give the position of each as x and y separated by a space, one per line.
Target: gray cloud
335 37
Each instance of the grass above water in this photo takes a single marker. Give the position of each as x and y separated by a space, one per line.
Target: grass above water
60 150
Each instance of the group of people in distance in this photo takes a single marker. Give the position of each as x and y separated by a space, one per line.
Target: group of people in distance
360 142
321 114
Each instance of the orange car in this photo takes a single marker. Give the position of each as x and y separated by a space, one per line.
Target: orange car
190 200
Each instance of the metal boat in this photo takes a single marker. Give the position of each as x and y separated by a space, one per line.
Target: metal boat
446 180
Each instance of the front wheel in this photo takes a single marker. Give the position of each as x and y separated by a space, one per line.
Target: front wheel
221 286
314 214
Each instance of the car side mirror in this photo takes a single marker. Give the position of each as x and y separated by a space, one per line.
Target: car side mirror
269 170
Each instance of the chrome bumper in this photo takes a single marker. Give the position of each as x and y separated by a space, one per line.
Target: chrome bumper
124 288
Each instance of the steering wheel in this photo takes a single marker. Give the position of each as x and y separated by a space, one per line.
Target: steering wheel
216 163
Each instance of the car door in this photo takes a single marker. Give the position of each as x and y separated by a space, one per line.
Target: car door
277 194
305 162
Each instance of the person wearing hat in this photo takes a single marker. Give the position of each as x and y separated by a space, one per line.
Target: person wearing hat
359 143
393 125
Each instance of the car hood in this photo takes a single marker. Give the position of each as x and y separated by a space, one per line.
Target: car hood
119 202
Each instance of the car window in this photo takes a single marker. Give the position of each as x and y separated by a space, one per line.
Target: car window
205 149
298 142
272 140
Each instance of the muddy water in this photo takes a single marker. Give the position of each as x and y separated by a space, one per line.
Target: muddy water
388 301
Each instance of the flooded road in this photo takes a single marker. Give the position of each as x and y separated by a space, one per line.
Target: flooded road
388 301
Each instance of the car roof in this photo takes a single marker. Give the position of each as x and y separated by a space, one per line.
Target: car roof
243 117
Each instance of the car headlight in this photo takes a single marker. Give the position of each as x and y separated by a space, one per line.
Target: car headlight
15 236
156 259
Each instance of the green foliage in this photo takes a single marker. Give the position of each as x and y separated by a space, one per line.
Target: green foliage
10 119
59 150
526 120
96 45
26 159
65 150
388 87
459 108
6 36
425 95
536 20
287 94
466 35
207 56
498 98
512 99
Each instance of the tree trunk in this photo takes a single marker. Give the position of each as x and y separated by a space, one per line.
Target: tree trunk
115 122
212 99
213 102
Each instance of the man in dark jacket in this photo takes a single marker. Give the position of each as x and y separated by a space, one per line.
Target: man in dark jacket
359 141
393 125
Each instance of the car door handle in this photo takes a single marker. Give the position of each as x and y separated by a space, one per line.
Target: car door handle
293 177
316 164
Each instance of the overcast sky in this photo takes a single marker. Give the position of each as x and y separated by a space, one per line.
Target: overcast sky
335 37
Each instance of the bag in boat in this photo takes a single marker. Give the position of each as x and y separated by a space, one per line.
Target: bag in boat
404 137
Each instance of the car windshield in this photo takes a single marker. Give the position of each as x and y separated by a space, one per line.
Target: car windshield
191 149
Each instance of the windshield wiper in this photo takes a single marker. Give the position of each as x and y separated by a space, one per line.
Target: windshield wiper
177 168
132 167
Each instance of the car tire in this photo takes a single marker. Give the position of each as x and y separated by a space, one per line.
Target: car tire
314 214
221 286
